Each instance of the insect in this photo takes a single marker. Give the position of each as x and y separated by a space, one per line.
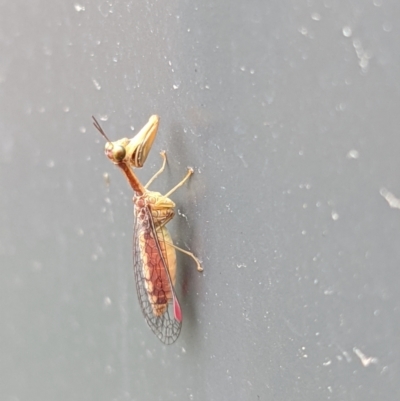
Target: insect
154 257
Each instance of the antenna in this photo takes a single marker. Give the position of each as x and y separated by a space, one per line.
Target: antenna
98 127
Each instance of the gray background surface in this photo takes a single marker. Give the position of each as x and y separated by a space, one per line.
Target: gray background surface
289 113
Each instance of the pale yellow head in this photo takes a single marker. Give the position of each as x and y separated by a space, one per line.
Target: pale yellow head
132 151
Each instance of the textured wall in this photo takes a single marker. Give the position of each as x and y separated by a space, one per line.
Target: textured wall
289 113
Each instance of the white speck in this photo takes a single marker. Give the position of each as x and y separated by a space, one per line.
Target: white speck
330 389
243 161
347 32
96 84
353 154
240 265
327 363
384 369
394 202
41 109
366 361
304 232
78 7
66 109
50 163
115 59
243 68
183 215
316 17
94 257
335 215
175 86
303 30
347 356
103 117
377 3
106 178
107 301
252 72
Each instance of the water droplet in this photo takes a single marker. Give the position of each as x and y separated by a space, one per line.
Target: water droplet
353 154
316 17
79 7
96 84
303 30
387 26
347 32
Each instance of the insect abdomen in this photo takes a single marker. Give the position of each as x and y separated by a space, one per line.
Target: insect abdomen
157 282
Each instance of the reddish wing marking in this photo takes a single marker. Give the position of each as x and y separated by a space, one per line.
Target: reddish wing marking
167 325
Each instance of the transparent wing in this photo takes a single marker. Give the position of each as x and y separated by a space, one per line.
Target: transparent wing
156 293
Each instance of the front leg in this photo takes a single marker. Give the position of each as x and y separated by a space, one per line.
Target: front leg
164 156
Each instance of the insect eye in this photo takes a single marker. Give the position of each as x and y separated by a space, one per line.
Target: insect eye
118 153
